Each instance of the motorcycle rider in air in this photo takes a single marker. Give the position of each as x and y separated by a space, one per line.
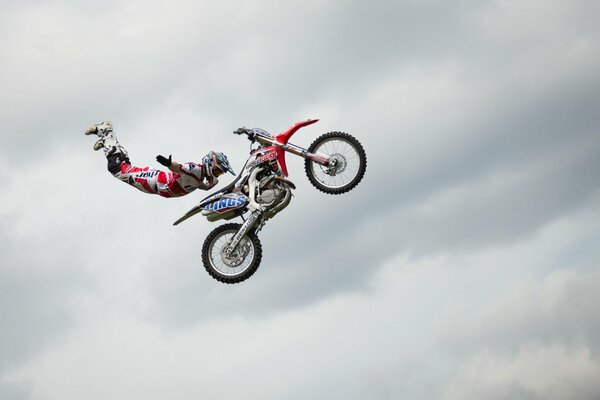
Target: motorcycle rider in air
180 180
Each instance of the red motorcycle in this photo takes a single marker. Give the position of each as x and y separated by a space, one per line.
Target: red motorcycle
334 163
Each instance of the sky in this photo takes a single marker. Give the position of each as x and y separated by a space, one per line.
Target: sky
465 265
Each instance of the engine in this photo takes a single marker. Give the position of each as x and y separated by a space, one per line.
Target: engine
273 194
269 196
265 192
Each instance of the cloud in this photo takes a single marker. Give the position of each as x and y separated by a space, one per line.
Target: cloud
480 127
555 311
539 340
535 372
413 312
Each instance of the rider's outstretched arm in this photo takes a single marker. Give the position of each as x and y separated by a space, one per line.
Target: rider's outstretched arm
175 166
169 163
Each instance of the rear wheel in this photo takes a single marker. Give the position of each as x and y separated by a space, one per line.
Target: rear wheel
348 163
237 266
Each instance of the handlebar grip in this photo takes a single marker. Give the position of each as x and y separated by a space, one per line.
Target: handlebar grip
241 131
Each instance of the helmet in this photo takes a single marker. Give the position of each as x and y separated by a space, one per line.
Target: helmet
214 159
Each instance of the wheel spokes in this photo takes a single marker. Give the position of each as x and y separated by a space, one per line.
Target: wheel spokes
239 261
348 163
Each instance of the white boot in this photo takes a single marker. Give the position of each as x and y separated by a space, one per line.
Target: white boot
99 144
110 144
100 129
108 140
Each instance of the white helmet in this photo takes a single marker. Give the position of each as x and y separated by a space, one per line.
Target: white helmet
214 159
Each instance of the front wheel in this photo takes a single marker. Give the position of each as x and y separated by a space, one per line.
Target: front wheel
237 266
347 167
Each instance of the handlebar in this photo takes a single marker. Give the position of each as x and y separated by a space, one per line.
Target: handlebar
252 133
245 131
241 131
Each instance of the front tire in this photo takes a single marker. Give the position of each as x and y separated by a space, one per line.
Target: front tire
242 263
350 159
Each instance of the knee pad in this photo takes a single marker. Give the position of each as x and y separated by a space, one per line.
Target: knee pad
114 162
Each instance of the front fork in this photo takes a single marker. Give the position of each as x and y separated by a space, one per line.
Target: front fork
244 229
254 217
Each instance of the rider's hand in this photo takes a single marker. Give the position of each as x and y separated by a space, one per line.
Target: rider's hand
164 160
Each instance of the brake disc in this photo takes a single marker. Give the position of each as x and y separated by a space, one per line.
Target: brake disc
238 255
339 165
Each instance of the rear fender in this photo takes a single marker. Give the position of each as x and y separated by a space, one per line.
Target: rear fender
284 137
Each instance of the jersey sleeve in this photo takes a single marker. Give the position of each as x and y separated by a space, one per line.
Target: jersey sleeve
196 171
192 169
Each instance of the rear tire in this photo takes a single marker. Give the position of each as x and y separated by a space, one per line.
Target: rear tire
244 261
352 163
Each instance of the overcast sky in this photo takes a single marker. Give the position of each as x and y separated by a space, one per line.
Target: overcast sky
464 266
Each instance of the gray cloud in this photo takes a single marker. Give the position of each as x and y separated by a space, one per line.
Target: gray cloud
37 287
557 311
536 327
508 191
480 126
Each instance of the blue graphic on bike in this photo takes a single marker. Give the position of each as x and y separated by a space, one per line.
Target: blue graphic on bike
227 203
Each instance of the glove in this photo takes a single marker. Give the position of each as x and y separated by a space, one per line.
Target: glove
164 160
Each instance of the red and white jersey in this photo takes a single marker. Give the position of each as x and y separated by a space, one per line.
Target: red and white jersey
167 183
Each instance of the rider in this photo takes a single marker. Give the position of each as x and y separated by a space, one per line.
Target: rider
180 180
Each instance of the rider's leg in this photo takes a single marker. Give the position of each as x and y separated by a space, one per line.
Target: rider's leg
142 178
114 152
119 166
108 140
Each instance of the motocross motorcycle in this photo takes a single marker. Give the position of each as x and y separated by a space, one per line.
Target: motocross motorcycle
335 163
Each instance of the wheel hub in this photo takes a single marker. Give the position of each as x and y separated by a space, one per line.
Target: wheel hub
237 256
337 164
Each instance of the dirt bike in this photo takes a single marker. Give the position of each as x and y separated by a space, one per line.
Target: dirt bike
334 163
